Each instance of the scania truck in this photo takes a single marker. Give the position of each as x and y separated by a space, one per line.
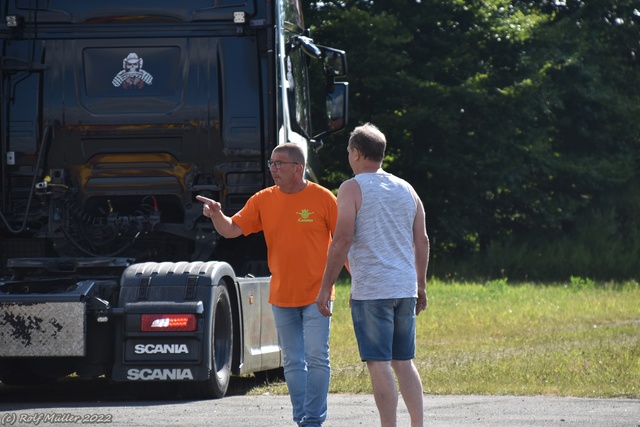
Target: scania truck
113 117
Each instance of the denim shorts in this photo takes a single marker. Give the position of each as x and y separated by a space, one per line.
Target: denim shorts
385 329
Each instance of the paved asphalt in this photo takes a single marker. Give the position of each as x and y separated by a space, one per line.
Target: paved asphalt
345 410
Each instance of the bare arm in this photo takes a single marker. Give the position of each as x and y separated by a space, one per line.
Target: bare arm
421 250
222 223
349 199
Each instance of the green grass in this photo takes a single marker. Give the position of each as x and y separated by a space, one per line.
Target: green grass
575 339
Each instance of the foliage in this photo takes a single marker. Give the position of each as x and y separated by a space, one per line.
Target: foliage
515 121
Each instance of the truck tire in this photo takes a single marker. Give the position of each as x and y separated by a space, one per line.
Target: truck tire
221 343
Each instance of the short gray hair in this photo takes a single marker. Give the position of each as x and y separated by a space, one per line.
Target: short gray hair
370 141
293 150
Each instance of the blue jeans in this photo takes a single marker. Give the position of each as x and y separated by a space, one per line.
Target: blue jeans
303 334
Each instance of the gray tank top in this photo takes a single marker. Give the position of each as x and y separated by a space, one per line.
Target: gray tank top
381 257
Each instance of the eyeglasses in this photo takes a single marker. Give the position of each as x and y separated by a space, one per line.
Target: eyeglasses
278 164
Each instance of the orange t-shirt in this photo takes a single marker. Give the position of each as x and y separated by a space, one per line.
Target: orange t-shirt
297 228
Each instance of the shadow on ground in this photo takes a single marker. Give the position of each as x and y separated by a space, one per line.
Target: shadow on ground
101 389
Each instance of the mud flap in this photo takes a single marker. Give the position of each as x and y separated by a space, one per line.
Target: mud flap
167 288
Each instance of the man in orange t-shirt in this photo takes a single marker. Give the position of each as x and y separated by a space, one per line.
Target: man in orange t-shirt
298 218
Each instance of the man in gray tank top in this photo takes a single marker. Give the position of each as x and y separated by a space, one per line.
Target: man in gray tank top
381 231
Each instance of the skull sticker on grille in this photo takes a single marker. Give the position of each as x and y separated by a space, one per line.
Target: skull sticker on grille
132 74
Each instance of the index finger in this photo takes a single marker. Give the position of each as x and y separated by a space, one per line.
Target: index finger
204 199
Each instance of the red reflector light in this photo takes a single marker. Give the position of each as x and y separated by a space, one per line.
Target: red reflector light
168 322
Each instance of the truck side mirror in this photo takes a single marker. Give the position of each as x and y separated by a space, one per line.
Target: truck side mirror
335 62
337 106
336 115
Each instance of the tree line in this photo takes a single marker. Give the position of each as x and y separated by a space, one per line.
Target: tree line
518 123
